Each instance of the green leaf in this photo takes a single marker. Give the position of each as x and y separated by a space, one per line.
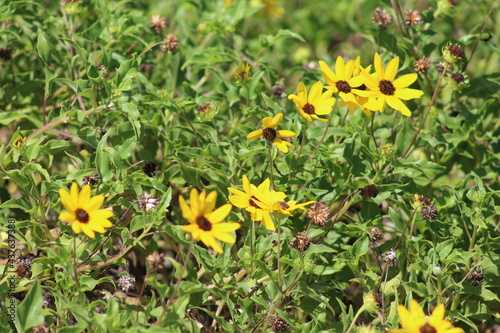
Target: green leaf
43 49
29 311
268 40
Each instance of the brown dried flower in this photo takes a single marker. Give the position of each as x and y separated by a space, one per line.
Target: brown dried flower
300 242
91 180
278 324
429 213
147 202
170 44
158 23
413 18
381 17
156 261
319 213
369 191
376 234
422 65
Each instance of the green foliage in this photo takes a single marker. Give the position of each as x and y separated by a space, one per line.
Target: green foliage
97 92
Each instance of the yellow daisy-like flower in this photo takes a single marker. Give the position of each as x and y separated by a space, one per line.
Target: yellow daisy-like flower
317 103
415 320
242 73
83 212
384 89
271 8
258 201
342 81
204 223
287 207
270 133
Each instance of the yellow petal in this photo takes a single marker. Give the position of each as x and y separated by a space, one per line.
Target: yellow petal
315 93
396 104
77 227
392 69
220 213
405 80
254 135
286 133
408 93
276 120
267 122
280 144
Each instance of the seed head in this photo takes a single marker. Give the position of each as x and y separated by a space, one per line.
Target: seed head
429 213
146 68
158 23
147 202
422 65
476 277
376 234
319 213
126 282
381 17
391 257
278 91
170 44
458 77
453 53
278 324
91 180
150 168
413 18
372 302
156 261
369 191
207 112
300 242
6 53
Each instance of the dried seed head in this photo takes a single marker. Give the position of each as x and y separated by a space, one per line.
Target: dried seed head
376 234
422 65
170 44
369 191
278 324
388 151
103 70
91 180
300 242
147 202
319 213
476 277
453 53
429 213
413 18
126 282
381 17
150 168
207 111
278 91
146 68
391 257
44 328
23 265
158 23
423 201
156 261
6 53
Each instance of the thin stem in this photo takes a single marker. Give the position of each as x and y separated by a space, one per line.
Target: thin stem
75 270
300 152
271 161
326 130
373 132
178 282
280 283
433 99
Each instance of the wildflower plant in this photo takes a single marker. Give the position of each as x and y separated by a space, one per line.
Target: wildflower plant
137 194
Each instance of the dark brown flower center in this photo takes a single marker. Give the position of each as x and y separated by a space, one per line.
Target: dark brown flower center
343 86
309 108
386 87
427 329
269 133
252 203
82 216
361 87
203 223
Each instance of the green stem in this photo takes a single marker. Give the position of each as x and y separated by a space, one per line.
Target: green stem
302 142
360 311
75 270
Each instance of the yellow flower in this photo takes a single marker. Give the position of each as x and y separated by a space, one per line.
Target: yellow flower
204 222
270 133
271 8
317 103
83 212
384 89
342 81
258 201
415 320
287 207
242 73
